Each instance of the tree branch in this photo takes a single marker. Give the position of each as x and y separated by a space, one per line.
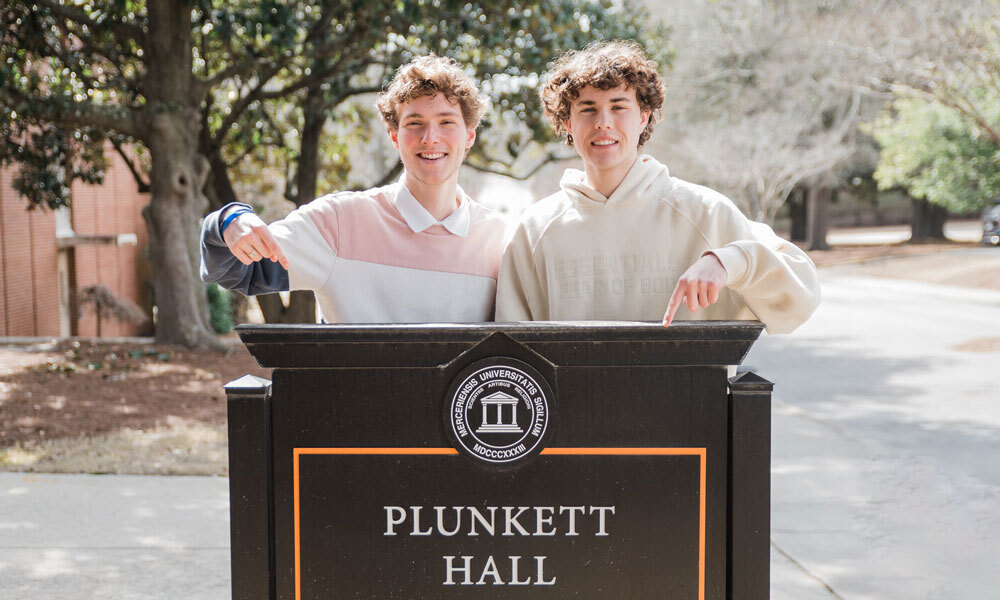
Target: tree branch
122 31
236 111
318 76
927 91
390 176
316 31
70 113
550 157
258 94
967 107
142 183
348 93
113 53
321 52
239 68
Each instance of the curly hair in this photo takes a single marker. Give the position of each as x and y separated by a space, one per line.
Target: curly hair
426 76
603 65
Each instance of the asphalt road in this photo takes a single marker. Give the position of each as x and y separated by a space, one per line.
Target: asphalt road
886 444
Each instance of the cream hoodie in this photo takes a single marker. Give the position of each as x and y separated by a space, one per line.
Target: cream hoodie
577 255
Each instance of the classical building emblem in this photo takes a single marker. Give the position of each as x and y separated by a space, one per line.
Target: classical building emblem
498 410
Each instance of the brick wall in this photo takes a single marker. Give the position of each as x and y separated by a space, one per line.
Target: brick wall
29 283
29 302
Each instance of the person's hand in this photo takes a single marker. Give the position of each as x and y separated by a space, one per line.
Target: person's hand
250 241
698 287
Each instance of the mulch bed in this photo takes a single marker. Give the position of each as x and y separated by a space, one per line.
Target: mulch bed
74 388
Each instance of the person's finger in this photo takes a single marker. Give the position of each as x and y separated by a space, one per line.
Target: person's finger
241 255
691 293
672 306
703 294
265 243
254 246
282 258
713 294
273 249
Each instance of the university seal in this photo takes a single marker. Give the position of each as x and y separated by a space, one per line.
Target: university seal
498 410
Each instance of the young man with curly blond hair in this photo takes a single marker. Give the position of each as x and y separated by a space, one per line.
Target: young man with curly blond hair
624 239
419 250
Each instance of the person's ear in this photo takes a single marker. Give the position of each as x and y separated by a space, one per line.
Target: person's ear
470 140
394 136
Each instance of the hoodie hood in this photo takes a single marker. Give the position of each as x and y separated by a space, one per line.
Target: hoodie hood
640 178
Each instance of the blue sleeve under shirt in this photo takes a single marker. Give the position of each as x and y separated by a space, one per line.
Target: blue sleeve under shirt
218 265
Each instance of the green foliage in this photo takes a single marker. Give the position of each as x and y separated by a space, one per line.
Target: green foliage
506 45
933 152
219 309
50 158
256 59
511 51
227 79
46 55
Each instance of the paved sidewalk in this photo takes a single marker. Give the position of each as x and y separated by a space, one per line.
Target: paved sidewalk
120 537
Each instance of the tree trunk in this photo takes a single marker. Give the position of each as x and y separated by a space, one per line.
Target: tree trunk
301 307
221 187
239 308
176 179
220 190
928 221
818 202
798 213
172 216
307 173
301 304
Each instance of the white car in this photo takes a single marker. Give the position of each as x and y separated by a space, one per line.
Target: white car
991 225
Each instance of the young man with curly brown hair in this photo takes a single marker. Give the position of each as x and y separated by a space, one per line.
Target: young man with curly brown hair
419 250
623 239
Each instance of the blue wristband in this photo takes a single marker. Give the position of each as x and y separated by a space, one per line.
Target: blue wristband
232 215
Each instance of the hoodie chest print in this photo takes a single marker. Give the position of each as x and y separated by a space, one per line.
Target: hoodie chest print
614 274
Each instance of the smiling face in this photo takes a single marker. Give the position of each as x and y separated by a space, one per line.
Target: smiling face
432 139
606 126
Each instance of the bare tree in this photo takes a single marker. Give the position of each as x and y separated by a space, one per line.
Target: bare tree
947 54
765 100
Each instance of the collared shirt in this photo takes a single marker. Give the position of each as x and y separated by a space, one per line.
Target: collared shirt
419 219
376 256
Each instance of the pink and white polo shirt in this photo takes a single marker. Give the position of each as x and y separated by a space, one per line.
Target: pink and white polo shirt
378 256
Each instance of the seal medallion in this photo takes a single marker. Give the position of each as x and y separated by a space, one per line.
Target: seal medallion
498 410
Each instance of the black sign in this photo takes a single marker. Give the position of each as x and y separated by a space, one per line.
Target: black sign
351 477
613 523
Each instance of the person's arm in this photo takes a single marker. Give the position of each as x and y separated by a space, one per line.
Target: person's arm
774 277
518 282
237 271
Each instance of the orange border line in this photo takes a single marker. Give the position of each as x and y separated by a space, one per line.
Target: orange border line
702 453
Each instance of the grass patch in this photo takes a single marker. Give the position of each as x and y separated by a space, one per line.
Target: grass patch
177 448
